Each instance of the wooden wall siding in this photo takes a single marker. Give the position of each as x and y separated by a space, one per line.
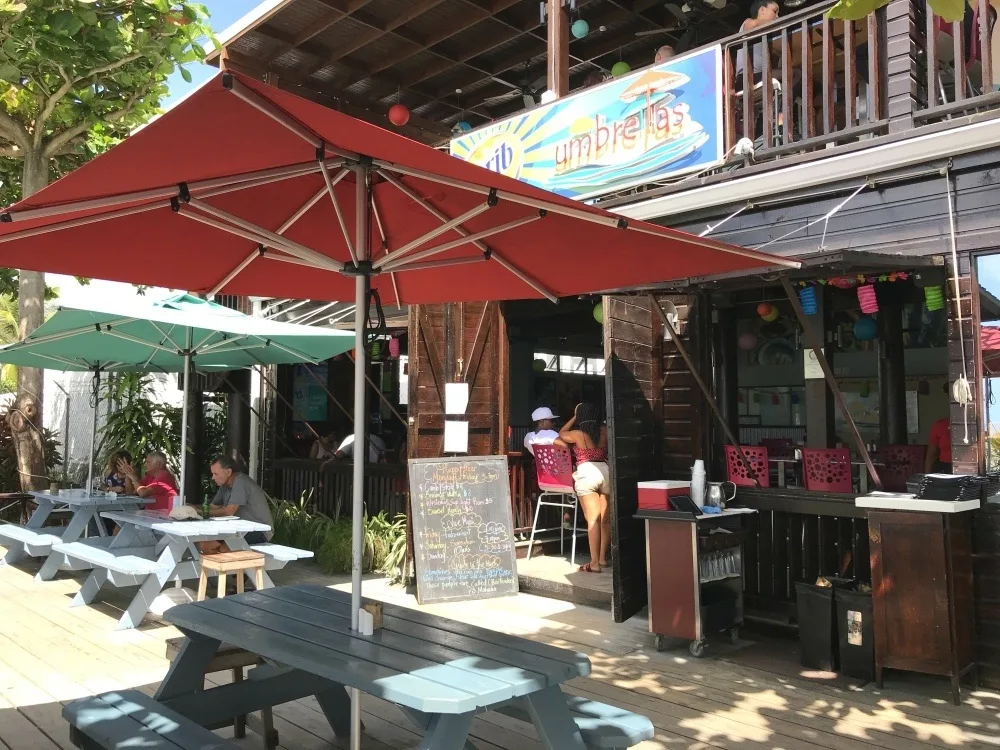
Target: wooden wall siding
687 420
903 86
632 343
466 343
903 218
986 559
967 458
792 539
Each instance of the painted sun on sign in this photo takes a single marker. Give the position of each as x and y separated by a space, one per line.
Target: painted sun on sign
659 122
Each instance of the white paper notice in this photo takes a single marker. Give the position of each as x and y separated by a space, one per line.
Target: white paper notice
811 366
456 398
456 437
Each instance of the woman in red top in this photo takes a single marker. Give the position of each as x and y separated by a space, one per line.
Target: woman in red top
588 439
939 448
158 483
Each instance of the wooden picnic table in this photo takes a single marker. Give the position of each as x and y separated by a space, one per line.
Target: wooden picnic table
34 539
150 550
440 672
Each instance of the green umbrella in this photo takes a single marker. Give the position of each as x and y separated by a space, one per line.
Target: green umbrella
176 334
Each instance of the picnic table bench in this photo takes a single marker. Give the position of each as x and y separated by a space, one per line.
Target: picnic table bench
440 672
151 550
128 719
35 539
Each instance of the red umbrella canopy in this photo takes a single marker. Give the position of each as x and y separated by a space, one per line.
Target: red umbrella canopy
246 189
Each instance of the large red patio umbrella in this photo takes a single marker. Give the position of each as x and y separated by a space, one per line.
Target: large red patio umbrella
246 189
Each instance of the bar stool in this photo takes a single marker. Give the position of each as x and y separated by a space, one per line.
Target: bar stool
554 468
238 562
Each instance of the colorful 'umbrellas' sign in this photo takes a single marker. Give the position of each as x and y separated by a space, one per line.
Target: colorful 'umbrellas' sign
659 122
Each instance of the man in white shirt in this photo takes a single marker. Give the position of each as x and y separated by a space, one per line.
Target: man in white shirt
376 447
544 421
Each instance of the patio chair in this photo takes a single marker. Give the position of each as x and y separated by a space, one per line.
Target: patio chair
827 469
900 462
737 470
554 469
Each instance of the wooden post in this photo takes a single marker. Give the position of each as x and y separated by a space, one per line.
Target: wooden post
818 405
558 54
726 366
891 377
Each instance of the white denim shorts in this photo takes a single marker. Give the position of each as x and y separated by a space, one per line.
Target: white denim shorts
591 477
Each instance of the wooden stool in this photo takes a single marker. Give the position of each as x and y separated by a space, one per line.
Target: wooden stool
231 562
236 659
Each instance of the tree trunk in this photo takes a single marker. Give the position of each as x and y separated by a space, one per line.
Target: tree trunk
25 417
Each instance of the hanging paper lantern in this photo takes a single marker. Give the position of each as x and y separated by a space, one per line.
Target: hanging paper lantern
376 350
771 316
934 297
865 329
399 115
865 390
461 127
843 282
764 309
580 28
394 348
538 365
620 68
599 312
747 341
807 298
867 298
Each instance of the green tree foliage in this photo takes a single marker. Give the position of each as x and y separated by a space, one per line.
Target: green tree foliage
854 10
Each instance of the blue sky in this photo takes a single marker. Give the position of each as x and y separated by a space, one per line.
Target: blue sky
224 13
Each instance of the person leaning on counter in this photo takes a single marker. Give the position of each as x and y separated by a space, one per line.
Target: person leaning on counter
938 459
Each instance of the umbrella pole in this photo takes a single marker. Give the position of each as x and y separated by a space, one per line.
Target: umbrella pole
93 429
184 419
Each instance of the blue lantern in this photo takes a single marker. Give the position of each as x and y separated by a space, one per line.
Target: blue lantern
865 329
461 127
807 296
580 28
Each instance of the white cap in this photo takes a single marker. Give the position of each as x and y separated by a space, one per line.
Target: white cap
542 412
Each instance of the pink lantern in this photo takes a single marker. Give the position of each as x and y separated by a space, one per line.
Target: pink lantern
867 298
394 348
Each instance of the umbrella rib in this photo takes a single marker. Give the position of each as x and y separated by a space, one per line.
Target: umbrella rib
465 240
137 340
59 336
220 344
428 264
283 243
385 246
164 334
412 195
235 272
303 210
81 222
330 184
530 281
436 232
266 177
197 348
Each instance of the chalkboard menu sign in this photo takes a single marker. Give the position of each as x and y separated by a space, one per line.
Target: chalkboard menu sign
463 532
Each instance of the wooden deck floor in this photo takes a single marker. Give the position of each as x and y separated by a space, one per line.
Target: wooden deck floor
745 697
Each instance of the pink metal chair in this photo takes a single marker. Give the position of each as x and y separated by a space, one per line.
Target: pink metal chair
827 469
737 470
554 469
900 462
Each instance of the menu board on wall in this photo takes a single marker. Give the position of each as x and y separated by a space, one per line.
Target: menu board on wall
309 400
463 530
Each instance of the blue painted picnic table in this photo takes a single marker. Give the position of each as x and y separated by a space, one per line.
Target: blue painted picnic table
34 539
151 550
441 672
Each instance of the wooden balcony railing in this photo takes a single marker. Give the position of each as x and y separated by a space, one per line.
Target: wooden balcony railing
815 82
955 62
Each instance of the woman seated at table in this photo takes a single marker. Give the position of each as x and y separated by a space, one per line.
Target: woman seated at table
158 483
114 479
587 438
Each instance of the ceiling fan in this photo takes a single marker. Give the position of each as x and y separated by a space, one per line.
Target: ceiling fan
693 12
529 90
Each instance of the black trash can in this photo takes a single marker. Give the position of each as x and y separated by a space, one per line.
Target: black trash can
818 624
856 633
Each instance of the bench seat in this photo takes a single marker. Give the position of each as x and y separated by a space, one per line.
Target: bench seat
36 543
128 719
281 553
126 561
600 725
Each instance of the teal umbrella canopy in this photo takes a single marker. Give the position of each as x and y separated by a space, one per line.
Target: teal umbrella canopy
138 335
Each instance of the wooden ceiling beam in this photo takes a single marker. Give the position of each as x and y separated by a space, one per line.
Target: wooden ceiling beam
450 31
314 29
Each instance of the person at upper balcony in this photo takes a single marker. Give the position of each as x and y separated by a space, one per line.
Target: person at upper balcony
762 13
664 53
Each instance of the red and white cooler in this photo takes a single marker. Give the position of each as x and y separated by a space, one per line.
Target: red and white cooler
656 495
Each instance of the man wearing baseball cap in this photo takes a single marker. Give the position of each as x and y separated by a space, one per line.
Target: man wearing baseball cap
544 421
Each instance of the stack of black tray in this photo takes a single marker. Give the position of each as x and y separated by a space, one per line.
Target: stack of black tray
954 487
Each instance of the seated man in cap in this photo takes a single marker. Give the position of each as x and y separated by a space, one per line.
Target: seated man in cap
544 421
